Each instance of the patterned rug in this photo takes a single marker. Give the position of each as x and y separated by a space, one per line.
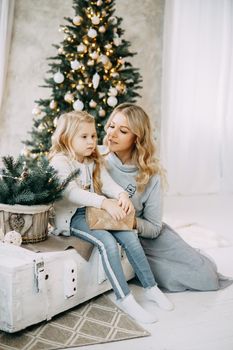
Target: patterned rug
94 322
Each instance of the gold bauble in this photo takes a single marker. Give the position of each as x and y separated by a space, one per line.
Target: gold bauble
121 87
108 65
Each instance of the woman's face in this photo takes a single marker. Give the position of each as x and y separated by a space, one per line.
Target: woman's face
119 136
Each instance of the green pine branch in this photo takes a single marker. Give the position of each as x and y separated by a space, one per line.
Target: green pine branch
30 182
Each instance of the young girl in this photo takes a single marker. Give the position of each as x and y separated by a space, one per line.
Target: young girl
74 146
132 164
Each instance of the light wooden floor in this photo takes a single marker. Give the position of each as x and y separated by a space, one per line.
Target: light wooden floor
201 320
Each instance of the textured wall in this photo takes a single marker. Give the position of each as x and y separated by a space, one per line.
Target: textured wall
35 29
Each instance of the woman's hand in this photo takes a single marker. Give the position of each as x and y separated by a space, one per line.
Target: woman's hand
113 208
125 203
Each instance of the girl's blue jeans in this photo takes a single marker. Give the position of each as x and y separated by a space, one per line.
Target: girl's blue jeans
106 241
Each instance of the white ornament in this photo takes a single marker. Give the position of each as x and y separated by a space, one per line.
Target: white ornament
41 127
26 153
13 237
90 62
95 80
122 61
113 20
104 59
101 94
77 20
80 87
115 75
92 104
112 91
53 104
78 105
94 55
92 33
102 112
81 48
112 101
108 46
58 78
102 29
36 111
68 97
95 20
99 3
75 64
117 41
60 50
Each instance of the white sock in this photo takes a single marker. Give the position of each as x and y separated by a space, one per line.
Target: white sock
155 294
133 309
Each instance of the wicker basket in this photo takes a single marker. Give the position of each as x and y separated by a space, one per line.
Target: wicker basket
31 221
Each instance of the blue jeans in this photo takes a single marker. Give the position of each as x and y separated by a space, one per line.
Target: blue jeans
106 241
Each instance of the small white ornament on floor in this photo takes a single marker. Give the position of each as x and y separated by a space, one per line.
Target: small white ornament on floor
13 237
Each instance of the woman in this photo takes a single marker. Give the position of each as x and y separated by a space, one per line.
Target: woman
74 147
132 163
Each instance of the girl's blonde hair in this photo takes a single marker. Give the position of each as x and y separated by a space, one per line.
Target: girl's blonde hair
62 138
144 151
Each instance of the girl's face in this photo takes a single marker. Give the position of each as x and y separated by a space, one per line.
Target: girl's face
84 141
119 136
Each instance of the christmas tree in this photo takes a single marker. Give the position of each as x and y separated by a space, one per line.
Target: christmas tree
90 72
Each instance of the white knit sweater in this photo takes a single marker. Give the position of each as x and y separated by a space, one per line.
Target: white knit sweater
74 195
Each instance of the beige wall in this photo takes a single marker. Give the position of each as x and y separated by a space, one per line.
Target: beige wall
35 29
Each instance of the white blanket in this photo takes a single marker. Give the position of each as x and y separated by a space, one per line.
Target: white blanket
198 236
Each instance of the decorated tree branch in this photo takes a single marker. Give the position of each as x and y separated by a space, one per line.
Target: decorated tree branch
90 71
35 183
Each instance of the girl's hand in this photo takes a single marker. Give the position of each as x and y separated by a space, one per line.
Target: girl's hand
113 208
125 203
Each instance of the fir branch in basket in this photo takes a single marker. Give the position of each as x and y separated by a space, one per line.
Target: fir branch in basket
30 182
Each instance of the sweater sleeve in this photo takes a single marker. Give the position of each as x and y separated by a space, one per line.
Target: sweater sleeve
73 193
110 188
150 223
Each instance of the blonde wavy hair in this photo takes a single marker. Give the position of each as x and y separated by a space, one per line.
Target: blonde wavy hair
62 139
144 151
